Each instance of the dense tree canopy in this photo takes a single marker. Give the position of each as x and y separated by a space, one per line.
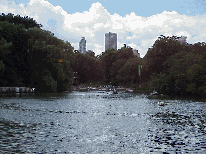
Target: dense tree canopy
33 57
120 67
25 21
174 68
45 52
88 67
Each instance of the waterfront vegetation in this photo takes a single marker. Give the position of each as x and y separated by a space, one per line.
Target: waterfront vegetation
33 57
173 68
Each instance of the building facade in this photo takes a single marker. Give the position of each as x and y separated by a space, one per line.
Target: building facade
110 41
82 45
182 39
136 53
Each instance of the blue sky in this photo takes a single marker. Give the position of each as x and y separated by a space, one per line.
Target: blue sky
137 23
143 8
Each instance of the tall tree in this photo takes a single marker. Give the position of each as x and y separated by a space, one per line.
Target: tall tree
107 59
162 49
129 73
16 63
50 61
25 21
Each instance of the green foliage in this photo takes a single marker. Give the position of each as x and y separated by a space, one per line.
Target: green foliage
2 66
107 59
45 51
110 67
25 21
120 66
116 66
88 68
4 47
33 57
196 76
163 48
172 68
129 73
125 53
14 40
161 83
45 81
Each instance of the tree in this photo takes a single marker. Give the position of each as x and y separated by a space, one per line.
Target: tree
129 73
107 59
88 67
33 57
14 40
25 21
162 49
172 68
125 53
51 55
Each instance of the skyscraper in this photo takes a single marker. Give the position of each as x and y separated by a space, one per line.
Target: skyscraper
82 45
110 41
182 39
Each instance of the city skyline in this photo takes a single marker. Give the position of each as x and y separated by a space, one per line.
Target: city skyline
136 28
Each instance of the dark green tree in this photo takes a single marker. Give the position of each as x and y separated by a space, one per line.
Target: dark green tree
50 59
174 68
16 62
162 49
107 59
129 73
25 21
88 67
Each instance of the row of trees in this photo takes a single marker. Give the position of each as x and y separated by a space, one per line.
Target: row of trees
121 67
173 68
32 57
116 67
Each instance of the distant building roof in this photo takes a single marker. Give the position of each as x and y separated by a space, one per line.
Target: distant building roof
182 39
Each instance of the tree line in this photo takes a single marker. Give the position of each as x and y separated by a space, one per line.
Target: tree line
33 57
170 67
115 67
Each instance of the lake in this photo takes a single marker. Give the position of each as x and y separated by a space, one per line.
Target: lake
101 122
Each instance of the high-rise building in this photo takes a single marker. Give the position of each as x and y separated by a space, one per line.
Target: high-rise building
182 39
110 41
82 45
135 52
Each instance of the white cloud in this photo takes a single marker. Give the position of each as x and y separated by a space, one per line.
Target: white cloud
138 32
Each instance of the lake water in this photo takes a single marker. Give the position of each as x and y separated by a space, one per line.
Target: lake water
101 122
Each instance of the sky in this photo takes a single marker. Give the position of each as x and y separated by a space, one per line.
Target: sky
137 23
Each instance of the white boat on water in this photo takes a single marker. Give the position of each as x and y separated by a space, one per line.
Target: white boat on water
154 93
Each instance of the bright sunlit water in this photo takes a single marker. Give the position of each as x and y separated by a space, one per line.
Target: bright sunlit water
101 122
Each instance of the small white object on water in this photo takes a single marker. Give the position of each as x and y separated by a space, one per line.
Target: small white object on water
161 103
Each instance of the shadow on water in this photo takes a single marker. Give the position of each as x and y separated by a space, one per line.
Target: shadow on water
46 96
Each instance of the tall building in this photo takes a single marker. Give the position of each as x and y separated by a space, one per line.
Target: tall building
135 52
182 39
110 41
82 45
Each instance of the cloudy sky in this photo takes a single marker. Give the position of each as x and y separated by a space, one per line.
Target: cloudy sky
137 23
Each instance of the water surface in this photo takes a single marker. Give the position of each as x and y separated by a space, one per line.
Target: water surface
101 122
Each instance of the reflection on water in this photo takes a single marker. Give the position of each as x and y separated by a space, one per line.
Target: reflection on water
100 122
